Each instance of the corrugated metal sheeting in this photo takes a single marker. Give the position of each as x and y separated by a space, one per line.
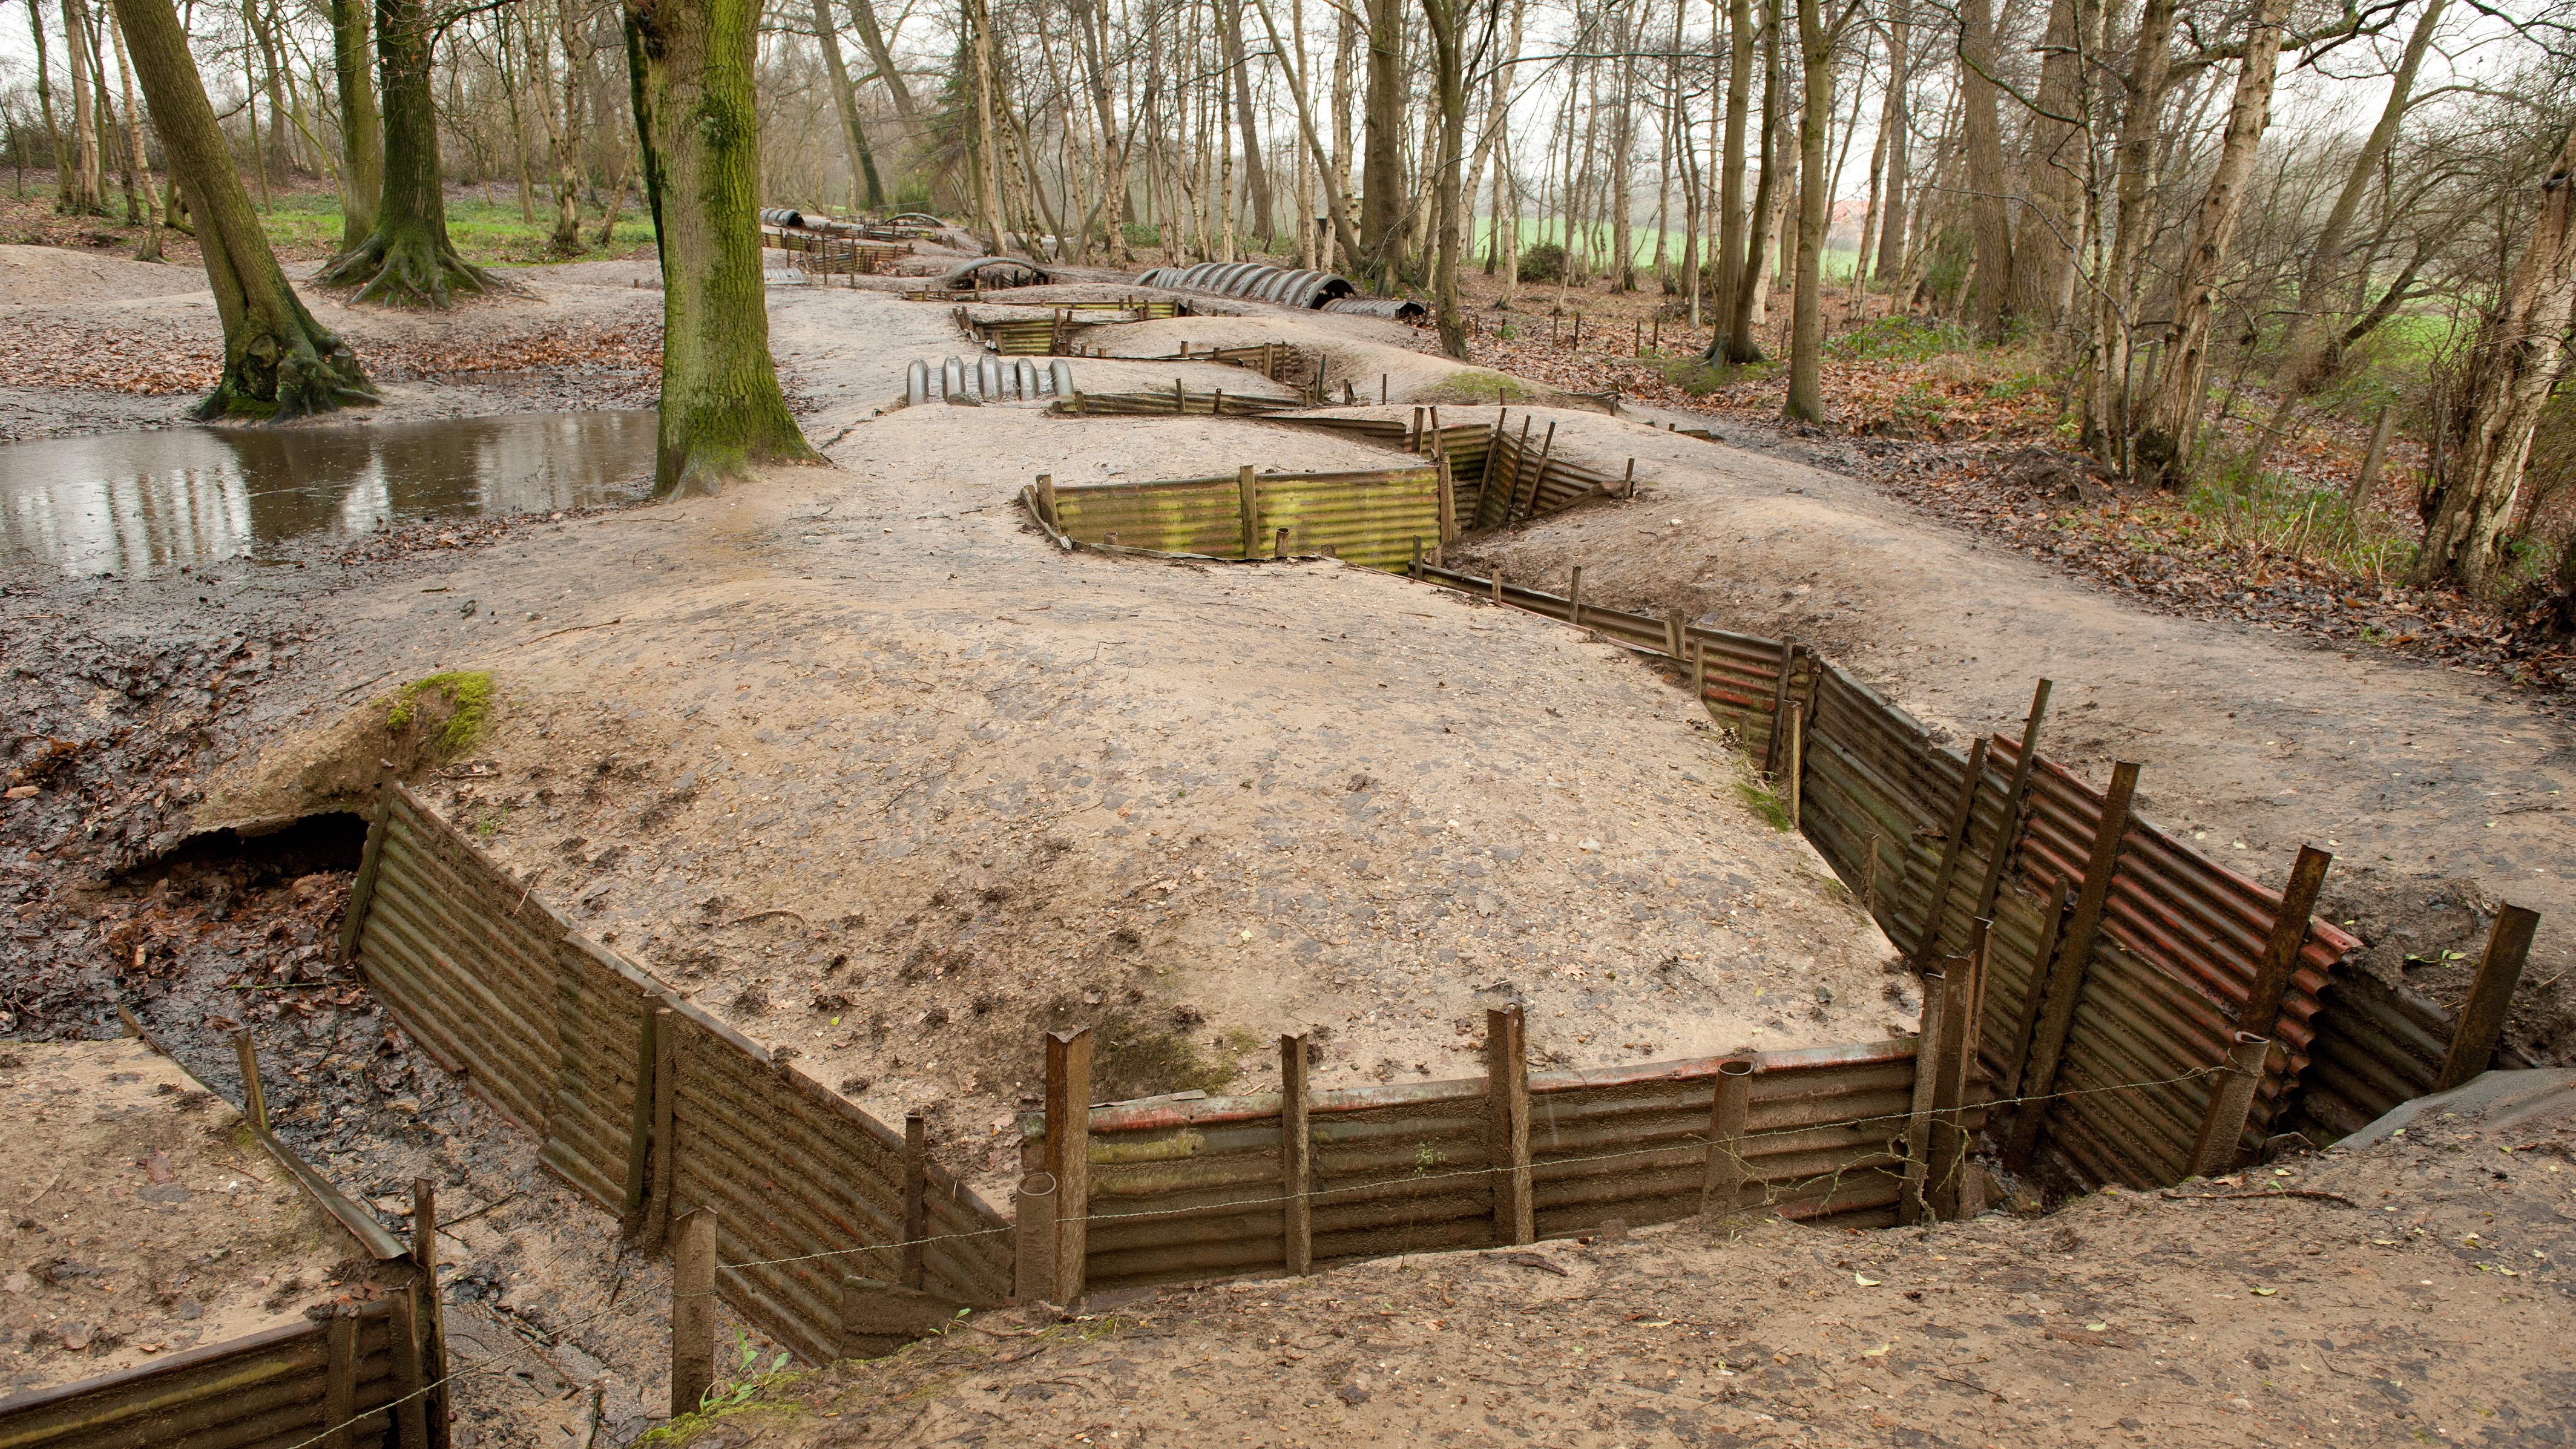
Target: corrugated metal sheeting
2181 940
1252 281
1191 1189
554 1028
267 1390
1371 519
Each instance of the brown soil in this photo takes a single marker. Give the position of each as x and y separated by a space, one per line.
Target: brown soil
2428 786
143 1217
2410 1292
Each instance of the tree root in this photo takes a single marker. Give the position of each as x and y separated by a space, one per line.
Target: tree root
291 373
407 267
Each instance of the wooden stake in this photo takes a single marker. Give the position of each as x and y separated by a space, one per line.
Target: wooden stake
1797 745
1963 819
411 1383
1779 705
1068 1144
340 1383
2280 964
1574 599
2019 790
666 1162
1927 1082
432 1317
1507 1149
1722 1183
1248 486
916 1200
2066 979
693 1311
2231 1104
2481 1024
1296 1146
254 1100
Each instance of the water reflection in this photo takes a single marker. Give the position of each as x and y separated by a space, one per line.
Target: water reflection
129 503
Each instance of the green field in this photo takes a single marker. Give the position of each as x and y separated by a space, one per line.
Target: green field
1837 260
486 233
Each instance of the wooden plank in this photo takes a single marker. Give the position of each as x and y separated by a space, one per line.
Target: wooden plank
916 1200
1068 1142
2066 979
1963 816
1296 1159
2473 1042
1507 1107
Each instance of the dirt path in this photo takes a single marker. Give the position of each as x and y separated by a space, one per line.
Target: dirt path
2411 1293
2437 791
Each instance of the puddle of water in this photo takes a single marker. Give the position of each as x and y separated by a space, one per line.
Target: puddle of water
131 503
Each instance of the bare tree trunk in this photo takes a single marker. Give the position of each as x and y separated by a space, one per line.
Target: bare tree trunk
1336 202
2052 222
1623 140
1446 21
1806 401
1733 280
2173 417
2107 391
407 259
278 362
78 191
698 130
845 100
2511 372
45 99
362 141
1988 199
988 166
1895 129
1255 179
1382 166
136 160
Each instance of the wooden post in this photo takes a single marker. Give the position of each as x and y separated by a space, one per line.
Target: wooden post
362 891
1279 548
1869 875
1180 398
411 1384
1046 502
1630 487
1779 705
2280 962
1511 493
1381 389
666 1158
1639 349
432 1317
1699 672
1068 1142
2066 978
1248 485
1721 1189
639 1126
1033 1225
1963 818
2481 1024
1947 1162
1913 1204
1413 570
2231 1103
2052 924
1413 441
1507 1149
916 1200
254 1100
1673 636
1497 582
1538 480
2019 790
1296 1168
1797 759
1448 500
1574 598
340 1383
693 1311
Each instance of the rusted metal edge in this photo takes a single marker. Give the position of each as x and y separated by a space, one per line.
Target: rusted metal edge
173 1365
362 1225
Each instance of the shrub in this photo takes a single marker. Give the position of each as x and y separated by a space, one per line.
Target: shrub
1544 262
1904 337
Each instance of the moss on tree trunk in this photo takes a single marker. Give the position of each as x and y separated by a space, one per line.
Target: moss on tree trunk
407 259
278 362
722 413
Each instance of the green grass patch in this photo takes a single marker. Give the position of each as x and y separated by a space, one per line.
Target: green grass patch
468 697
1137 1059
1905 337
486 233
1761 801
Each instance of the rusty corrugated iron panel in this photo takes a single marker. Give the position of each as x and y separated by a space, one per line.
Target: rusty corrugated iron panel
1180 515
261 1391
1252 281
600 1015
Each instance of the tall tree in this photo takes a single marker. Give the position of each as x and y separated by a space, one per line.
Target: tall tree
2510 372
1734 341
1382 151
1817 38
2164 444
1989 199
278 362
362 140
1731 277
1896 128
408 260
2143 88
1449 79
77 189
698 130
1256 178
845 99
2052 221
149 250
45 95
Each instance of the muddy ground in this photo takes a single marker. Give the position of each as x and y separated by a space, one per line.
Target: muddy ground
2411 1292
